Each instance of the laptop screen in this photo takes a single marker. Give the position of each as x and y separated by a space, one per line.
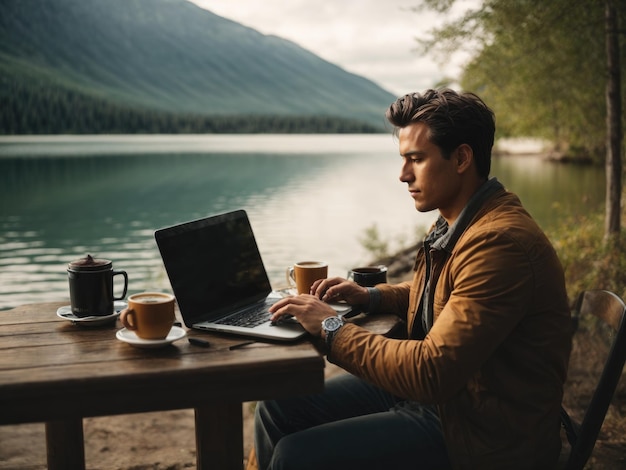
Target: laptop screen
214 265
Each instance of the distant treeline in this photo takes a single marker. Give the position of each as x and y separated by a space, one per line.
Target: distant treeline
28 109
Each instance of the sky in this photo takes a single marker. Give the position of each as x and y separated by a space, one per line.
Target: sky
371 38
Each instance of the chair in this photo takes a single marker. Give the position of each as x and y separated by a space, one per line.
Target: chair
610 310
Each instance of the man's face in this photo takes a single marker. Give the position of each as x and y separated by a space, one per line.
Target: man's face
433 181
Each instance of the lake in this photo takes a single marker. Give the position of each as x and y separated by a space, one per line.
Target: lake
309 197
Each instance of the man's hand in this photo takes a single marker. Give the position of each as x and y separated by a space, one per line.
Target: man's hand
336 289
311 309
308 310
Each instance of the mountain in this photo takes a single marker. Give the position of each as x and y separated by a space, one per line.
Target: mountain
170 57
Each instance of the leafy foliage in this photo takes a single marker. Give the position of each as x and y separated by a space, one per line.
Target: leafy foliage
373 243
539 64
590 263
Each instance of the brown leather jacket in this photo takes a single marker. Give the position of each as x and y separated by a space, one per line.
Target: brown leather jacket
496 357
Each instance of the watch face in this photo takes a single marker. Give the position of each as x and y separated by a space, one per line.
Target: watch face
332 323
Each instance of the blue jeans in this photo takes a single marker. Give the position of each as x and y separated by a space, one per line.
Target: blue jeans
351 425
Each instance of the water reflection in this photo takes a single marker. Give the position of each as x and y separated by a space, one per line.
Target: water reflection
550 190
308 197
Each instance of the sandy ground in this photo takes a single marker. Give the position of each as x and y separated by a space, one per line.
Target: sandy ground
163 440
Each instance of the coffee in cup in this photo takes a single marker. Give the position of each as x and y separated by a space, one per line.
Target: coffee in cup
149 314
305 273
91 286
369 276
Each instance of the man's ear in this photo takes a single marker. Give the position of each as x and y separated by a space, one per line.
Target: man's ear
464 157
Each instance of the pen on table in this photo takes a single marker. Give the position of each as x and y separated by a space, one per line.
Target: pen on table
240 345
199 342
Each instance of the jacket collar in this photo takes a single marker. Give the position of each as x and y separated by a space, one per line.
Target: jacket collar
443 237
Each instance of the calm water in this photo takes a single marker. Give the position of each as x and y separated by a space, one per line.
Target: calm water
308 197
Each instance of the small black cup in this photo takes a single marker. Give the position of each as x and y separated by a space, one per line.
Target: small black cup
91 286
369 276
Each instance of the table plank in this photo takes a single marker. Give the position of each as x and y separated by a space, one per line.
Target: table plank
49 398
50 370
31 313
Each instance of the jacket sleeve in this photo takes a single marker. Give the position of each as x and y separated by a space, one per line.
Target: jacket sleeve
481 296
394 298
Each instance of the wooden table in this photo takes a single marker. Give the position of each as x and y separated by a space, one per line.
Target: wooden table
57 372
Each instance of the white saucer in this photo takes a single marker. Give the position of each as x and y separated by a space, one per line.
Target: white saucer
66 314
130 337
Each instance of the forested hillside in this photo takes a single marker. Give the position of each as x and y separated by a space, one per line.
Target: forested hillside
59 110
167 65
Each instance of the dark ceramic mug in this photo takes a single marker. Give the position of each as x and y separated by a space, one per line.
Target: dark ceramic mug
91 286
368 276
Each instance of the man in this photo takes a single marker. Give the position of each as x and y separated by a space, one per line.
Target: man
478 382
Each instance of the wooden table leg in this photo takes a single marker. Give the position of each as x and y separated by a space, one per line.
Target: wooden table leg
219 436
65 444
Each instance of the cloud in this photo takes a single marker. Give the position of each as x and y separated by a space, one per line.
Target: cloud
367 37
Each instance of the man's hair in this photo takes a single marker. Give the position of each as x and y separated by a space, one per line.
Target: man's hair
452 119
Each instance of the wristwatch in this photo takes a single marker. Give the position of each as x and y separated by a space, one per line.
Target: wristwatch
331 326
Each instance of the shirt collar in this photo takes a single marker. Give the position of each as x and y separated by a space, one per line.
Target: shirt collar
444 237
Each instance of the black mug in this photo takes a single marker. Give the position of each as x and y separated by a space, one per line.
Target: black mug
369 276
91 286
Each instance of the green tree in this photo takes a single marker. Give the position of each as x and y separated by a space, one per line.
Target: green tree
549 69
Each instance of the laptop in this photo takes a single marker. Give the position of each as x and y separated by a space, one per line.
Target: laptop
218 277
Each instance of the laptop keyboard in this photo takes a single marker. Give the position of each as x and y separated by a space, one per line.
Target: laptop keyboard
250 317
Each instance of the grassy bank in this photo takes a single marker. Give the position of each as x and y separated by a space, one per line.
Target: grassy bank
589 262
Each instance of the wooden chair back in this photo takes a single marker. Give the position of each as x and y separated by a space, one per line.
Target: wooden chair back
610 310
